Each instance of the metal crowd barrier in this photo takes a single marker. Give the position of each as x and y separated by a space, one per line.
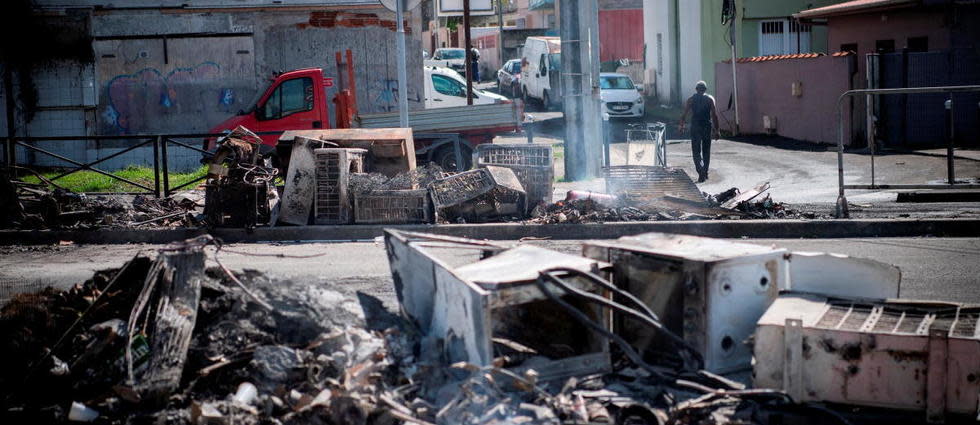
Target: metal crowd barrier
841 210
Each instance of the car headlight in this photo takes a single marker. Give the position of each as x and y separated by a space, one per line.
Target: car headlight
639 101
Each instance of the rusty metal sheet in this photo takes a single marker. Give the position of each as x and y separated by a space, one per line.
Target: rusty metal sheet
639 183
841 275
300 189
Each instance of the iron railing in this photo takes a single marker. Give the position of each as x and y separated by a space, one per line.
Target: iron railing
841 210
159 142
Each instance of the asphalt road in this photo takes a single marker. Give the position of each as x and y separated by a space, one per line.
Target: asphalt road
932 268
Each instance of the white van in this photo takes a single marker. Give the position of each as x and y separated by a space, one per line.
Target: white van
445 87
541 71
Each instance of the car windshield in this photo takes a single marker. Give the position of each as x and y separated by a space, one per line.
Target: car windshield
453 54
616 83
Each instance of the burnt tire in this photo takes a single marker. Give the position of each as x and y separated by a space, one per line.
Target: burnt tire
445 157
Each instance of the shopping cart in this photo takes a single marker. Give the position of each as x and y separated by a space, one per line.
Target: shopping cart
646 144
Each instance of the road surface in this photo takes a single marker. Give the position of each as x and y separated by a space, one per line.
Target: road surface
932 268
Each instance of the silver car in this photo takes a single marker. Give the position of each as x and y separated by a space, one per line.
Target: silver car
509 78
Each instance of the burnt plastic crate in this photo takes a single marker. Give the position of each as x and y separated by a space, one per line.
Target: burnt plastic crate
393 207
333 169
458 188
533 165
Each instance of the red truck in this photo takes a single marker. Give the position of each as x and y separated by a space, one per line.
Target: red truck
299 100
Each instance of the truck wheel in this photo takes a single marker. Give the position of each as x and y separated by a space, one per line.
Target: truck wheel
445 157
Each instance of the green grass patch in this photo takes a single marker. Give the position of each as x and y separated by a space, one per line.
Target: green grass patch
90 181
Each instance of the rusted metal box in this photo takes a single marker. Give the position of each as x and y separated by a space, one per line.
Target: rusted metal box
474 302
712 291
709 291
914 355
334 166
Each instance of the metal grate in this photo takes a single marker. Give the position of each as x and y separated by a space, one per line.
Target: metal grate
333 169
392 207
637 183
894 319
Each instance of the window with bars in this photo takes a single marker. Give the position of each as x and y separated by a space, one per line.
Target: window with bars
783 36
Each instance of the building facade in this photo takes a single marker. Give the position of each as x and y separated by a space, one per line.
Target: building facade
684 38
171 67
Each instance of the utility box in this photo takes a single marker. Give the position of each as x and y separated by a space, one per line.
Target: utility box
711 292
474 302
913 355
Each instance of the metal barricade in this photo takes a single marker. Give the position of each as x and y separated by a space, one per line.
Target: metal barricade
841 210
159 142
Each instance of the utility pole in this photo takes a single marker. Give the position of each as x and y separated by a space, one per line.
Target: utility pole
500 31
402 73
469 57
580 88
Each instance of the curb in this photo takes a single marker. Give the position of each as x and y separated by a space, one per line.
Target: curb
769 229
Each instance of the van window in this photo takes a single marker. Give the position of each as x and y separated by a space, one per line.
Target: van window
543 66
447 86
290 97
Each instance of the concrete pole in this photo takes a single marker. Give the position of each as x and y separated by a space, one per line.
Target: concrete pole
500 32
468 67
580 88
402 73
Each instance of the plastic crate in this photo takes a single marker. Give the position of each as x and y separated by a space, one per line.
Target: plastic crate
533 165
461 187
393 207
514 154
333 169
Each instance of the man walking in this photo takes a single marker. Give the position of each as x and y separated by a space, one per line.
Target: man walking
704 127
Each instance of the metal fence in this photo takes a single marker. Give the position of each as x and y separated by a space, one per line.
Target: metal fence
841 210
160 143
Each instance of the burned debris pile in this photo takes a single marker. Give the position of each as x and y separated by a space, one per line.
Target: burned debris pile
35 206
165 341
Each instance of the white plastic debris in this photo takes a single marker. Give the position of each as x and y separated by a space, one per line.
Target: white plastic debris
81 413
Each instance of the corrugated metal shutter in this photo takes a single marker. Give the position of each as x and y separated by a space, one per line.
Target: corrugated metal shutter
621 34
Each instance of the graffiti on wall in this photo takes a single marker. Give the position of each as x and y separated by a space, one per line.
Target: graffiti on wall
131 100
386 98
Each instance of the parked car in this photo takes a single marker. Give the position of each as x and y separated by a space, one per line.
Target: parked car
509 78
620 97
452 58
540 71
445 88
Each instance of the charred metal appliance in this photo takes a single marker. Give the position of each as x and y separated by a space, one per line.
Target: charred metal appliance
244 197
914 355
473 302
712 291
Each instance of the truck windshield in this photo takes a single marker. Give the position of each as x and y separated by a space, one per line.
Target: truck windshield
453 54
616 83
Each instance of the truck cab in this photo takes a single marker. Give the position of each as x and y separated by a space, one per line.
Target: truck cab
295 100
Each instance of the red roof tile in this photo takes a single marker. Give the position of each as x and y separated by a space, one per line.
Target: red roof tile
782 57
